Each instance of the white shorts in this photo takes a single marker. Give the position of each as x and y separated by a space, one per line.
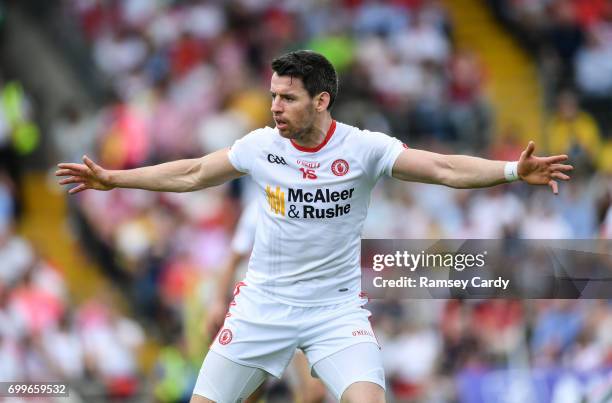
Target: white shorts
262 333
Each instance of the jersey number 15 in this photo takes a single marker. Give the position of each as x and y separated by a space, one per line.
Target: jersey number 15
308 173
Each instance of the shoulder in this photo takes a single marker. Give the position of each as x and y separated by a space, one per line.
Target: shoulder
243 150
363 139
262 134
257 138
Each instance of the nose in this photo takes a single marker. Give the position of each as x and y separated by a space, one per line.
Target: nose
276 105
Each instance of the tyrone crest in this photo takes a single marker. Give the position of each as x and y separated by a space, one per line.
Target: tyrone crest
340 167
225 337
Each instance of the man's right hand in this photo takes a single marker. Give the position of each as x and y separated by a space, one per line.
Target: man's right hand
88 175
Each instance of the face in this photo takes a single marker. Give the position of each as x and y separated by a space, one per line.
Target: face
292 108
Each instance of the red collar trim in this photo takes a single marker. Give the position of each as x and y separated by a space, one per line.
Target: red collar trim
328 136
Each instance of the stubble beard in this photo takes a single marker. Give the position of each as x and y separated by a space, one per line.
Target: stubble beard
305 131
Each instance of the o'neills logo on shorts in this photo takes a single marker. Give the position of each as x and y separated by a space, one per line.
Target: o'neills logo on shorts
313 204
225 337
362 332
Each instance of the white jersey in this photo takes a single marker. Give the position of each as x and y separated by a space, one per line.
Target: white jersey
312 205
244 237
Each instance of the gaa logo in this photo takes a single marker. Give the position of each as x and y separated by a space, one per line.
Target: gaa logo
225 337
340 167
275 159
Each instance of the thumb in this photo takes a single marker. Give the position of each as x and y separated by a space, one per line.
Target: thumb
529 150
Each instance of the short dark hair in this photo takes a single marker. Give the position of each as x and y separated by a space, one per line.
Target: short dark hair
317 73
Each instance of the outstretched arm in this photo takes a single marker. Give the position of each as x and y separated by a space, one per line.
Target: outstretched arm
176 176
462 171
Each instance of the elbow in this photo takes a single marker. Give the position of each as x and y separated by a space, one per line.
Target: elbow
194 178
196 183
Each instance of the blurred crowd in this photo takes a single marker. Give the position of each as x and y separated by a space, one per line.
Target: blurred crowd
572 39
573 34
458 340
189 77
45 336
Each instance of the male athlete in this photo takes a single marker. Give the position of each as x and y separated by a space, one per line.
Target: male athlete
302 287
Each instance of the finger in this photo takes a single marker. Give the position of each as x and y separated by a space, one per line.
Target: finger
72 179
92 165
78 189
561 167
556 159
66 172
529 149
70 165
554 186
559 175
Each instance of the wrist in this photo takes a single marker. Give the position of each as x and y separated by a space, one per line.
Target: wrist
112 179
511 171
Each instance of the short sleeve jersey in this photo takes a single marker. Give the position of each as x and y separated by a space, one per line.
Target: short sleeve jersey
312 206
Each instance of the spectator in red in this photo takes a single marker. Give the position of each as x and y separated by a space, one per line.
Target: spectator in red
186 53
35 308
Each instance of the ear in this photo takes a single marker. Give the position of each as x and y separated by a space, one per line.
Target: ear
322 101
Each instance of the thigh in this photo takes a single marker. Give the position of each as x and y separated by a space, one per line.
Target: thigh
363 392
358 363
222 380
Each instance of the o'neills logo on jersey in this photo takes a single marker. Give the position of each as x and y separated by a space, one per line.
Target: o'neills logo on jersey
309 164
311 204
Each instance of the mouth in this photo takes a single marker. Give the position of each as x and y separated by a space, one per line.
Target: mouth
280 124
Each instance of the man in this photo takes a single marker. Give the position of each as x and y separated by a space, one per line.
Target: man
302 288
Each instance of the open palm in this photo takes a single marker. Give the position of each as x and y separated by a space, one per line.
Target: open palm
88 175
542 170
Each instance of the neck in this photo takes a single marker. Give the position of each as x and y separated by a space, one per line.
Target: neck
315 136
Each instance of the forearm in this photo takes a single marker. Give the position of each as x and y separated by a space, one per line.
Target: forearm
462 171
175 176
457 171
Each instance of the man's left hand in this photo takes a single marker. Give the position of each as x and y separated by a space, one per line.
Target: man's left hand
542 170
